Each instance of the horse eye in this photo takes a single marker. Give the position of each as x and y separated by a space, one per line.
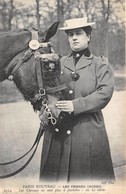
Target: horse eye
41 39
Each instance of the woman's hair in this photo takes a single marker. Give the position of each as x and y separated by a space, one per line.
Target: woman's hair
87 30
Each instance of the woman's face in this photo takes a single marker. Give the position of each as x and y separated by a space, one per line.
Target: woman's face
78 39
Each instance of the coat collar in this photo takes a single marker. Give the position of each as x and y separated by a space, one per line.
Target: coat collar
83 62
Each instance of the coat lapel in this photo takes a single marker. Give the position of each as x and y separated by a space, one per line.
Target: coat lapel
69 63
83 62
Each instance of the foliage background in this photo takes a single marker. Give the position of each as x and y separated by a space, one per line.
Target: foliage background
108 35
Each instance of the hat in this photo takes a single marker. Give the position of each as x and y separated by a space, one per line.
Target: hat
76 23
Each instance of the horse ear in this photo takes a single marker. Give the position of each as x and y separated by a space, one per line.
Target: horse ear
51 31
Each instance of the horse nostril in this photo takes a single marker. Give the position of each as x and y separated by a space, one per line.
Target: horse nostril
41 40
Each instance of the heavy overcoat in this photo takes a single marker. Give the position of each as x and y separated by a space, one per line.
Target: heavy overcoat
79 148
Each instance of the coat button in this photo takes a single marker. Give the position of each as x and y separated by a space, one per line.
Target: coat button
61 72
68 132
77 55
56 130
70 91
73 72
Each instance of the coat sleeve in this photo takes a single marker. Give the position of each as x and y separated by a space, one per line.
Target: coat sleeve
103 93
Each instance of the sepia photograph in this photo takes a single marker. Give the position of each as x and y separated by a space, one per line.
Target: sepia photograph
62 96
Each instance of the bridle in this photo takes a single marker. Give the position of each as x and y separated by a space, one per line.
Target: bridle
11 70
34 45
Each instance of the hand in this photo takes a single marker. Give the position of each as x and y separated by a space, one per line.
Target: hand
65 105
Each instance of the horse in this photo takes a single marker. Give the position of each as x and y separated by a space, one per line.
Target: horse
27 58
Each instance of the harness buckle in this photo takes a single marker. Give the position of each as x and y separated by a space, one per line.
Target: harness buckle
34 45
42 92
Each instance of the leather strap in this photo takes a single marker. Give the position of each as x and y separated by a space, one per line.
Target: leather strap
34 34
20 169
17 61
56 89
35 145
39 76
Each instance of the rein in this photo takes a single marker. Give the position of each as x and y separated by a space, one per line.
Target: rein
16 63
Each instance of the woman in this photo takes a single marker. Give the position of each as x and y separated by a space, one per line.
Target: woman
78 149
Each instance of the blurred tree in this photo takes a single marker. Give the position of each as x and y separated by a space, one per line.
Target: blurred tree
10 14
108 35
38 16
60 17
6 9
60 10
105 11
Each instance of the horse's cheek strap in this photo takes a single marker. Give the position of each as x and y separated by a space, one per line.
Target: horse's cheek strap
34 35
39 77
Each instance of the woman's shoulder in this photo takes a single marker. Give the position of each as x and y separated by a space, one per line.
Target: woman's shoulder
102 64
63 58
99 60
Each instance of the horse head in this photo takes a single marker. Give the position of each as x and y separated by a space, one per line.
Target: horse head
28 59
22 67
